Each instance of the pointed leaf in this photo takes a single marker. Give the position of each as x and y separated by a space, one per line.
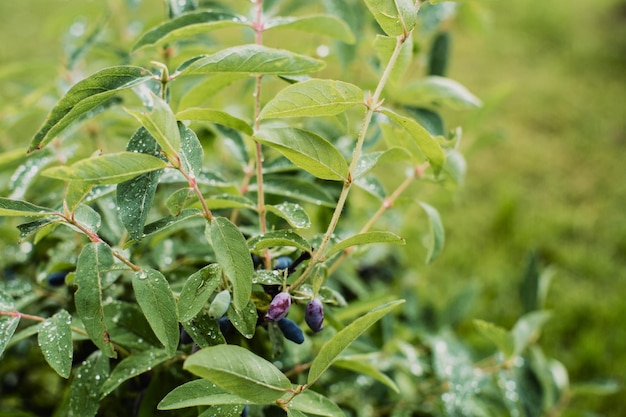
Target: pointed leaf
85 387
128 326
307 150
8 324
204 330
94 261
499 336
198 393
313 98
527 329
21 208
229 201
340 341
197 290
254 59
107 169
186 218
55 341
364 239
436 231
244 320
372 185
366 368
311 402
395 17
85 96
191 152
131 366
187 25
438 91
239 371
293 213
321 25
76 192
279 238
156 300
233 256
427 144
215 116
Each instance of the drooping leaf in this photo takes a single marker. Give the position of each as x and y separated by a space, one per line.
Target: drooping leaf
279 238
85 96
233 256
215 116
427 144
364 239
197 290
107 169
131 366
254 59
320 25
311 402
357 364
313 98
204 330
55 341
198 393
240 372
21 208
245 319
156 300
161 124
395 17
307 150
187 25
438 91
436 240
342 339
8 324
94 261
293 213
499 336
85 387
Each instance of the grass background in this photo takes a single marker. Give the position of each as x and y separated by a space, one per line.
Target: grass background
545 163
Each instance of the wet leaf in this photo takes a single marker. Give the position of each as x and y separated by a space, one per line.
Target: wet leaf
131 366
311 402
191 152
21 208
364 239
215 116
198 393
8 324
55 341
204 330
85 387
197 290
298 189
245 319
293 213
279 238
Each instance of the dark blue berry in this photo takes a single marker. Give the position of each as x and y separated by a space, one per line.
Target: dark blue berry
282 263
56 279
244 412
225 325
291 330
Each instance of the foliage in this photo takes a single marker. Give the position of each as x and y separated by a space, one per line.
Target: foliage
169 223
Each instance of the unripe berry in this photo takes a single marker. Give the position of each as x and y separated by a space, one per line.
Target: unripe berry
219 305
279 307
314 315
291 330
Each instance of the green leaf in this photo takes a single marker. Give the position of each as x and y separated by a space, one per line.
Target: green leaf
313 98
499 336
342 339
84 97
191 152
307 150
320 25
364 239
385 47
128 326
372 185
215 116
427 144
297 188
76 192
204 330
177 201
254 59
187 25
197 290
156 300
233 256
107 169
279 238
85 387
438 91
202 92
198 393
8 324
223 201
55 341
245 319
528 328
311 402
131 366
135 196
239 371
293 213
436 231
94 261
395 17
21 208
185 218
161 124
363 367
88 218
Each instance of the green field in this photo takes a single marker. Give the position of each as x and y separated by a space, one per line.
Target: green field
544 163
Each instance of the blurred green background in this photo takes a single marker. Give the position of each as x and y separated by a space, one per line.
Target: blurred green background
544 161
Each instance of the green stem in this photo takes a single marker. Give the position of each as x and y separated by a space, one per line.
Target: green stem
372 102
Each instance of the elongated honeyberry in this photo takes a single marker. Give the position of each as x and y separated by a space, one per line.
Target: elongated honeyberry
219 305
282 263
279 307
56 279
291 330
314 315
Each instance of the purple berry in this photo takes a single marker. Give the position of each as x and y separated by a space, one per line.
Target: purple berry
314 315
279 307
291 330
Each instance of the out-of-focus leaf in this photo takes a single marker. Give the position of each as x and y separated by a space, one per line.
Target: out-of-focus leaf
131 366
215 116
436 231
55 341
85 96
239 371
198 393
499 336
527 329
363 367
128 326
197 290
438 91
319 25
298 189
364 239
394 17
8 324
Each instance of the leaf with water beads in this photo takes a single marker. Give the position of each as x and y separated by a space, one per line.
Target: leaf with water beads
85 388
8 324
55 341
197 290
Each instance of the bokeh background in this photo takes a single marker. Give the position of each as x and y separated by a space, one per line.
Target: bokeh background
545 161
